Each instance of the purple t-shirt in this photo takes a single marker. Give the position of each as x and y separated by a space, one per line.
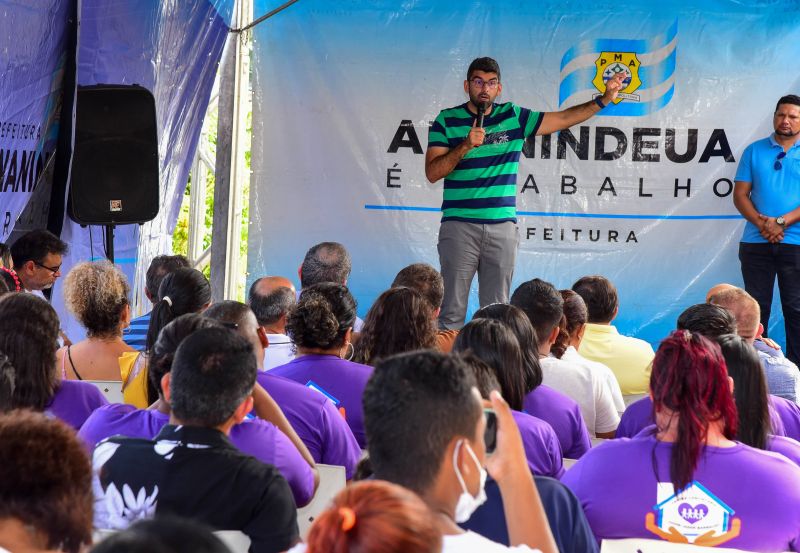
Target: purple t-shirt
783 413
541 445
316 420
255 437
74 401
341 380
787 447
564 415
622 497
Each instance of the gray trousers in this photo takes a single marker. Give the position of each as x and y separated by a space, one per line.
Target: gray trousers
467 248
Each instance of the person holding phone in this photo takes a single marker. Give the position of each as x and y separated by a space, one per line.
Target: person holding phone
425 425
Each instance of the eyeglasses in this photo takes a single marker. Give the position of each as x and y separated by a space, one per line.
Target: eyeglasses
778 165
53 270
477 82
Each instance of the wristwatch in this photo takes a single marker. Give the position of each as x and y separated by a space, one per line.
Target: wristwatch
781 221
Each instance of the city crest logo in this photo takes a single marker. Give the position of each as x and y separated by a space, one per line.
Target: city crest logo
610 64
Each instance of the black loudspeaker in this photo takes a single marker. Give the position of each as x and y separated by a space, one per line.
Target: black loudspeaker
114 176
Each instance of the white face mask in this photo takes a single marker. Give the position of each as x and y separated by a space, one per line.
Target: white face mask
467 504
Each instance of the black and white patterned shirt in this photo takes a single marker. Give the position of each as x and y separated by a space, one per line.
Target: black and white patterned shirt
196 473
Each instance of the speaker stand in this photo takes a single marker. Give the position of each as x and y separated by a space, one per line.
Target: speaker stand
109 230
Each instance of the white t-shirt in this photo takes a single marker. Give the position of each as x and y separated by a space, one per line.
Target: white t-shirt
468 542
572 356
588 389
279 352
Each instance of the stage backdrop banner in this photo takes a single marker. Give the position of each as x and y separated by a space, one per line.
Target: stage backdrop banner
172 49
345 94
32 57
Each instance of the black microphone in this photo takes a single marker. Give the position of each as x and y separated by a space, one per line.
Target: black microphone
481 111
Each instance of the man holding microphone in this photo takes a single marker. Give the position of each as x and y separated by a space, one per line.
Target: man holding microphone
475 147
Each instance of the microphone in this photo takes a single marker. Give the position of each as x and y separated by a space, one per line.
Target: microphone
481 111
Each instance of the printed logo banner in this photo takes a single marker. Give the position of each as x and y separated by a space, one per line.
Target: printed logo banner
32 54
642 193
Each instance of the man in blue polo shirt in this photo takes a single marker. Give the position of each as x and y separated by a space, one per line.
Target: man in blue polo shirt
162 265
767 193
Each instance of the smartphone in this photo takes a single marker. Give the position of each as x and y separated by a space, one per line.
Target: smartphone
490 434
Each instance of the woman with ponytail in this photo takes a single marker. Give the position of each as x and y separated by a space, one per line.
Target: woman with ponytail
375 516
321 327
182 291
687 480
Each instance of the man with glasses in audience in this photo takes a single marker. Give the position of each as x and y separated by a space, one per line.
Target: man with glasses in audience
37 259
475 147
767 194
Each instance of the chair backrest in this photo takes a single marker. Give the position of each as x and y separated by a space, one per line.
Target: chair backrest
597 441
237 542
331 481
632 398
637 545
112 389
568 463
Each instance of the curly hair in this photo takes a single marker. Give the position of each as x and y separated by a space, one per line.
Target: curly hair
97 293
29 337
322 316
47 479
378 517
400 320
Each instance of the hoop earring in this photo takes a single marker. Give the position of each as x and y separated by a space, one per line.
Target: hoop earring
348 357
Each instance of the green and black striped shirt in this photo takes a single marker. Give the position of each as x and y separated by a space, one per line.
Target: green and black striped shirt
483 186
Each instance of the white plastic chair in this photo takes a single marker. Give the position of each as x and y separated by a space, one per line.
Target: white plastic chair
237 542
332 480
112 389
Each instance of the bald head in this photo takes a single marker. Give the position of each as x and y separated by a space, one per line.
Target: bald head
270 298
717 288
240 318
744 309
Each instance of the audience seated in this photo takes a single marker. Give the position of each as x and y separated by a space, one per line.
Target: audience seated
327 262
311 415
255 437
752 400
46 486
191 468
425 427
321 326
628 357
428 281
271 298
688 481
37 259
570 336
96 294
161 265
181 291
558 410
543 305
164 535
29 338
783 377
374 517
400 320
497 366
710 321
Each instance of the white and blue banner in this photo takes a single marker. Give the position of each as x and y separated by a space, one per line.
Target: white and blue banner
344 94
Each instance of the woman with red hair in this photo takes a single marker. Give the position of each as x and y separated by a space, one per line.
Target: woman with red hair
374 516
688 481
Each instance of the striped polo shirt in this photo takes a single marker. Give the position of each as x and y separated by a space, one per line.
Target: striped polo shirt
483 186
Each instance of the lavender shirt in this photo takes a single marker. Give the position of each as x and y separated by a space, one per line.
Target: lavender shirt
74 401
541 445
341 380
564 415
618 488
316 420
255 437
784 414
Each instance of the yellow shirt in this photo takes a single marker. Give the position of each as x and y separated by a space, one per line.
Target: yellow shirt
628 358
133 369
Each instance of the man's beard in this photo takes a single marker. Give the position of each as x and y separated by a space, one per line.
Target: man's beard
786 133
